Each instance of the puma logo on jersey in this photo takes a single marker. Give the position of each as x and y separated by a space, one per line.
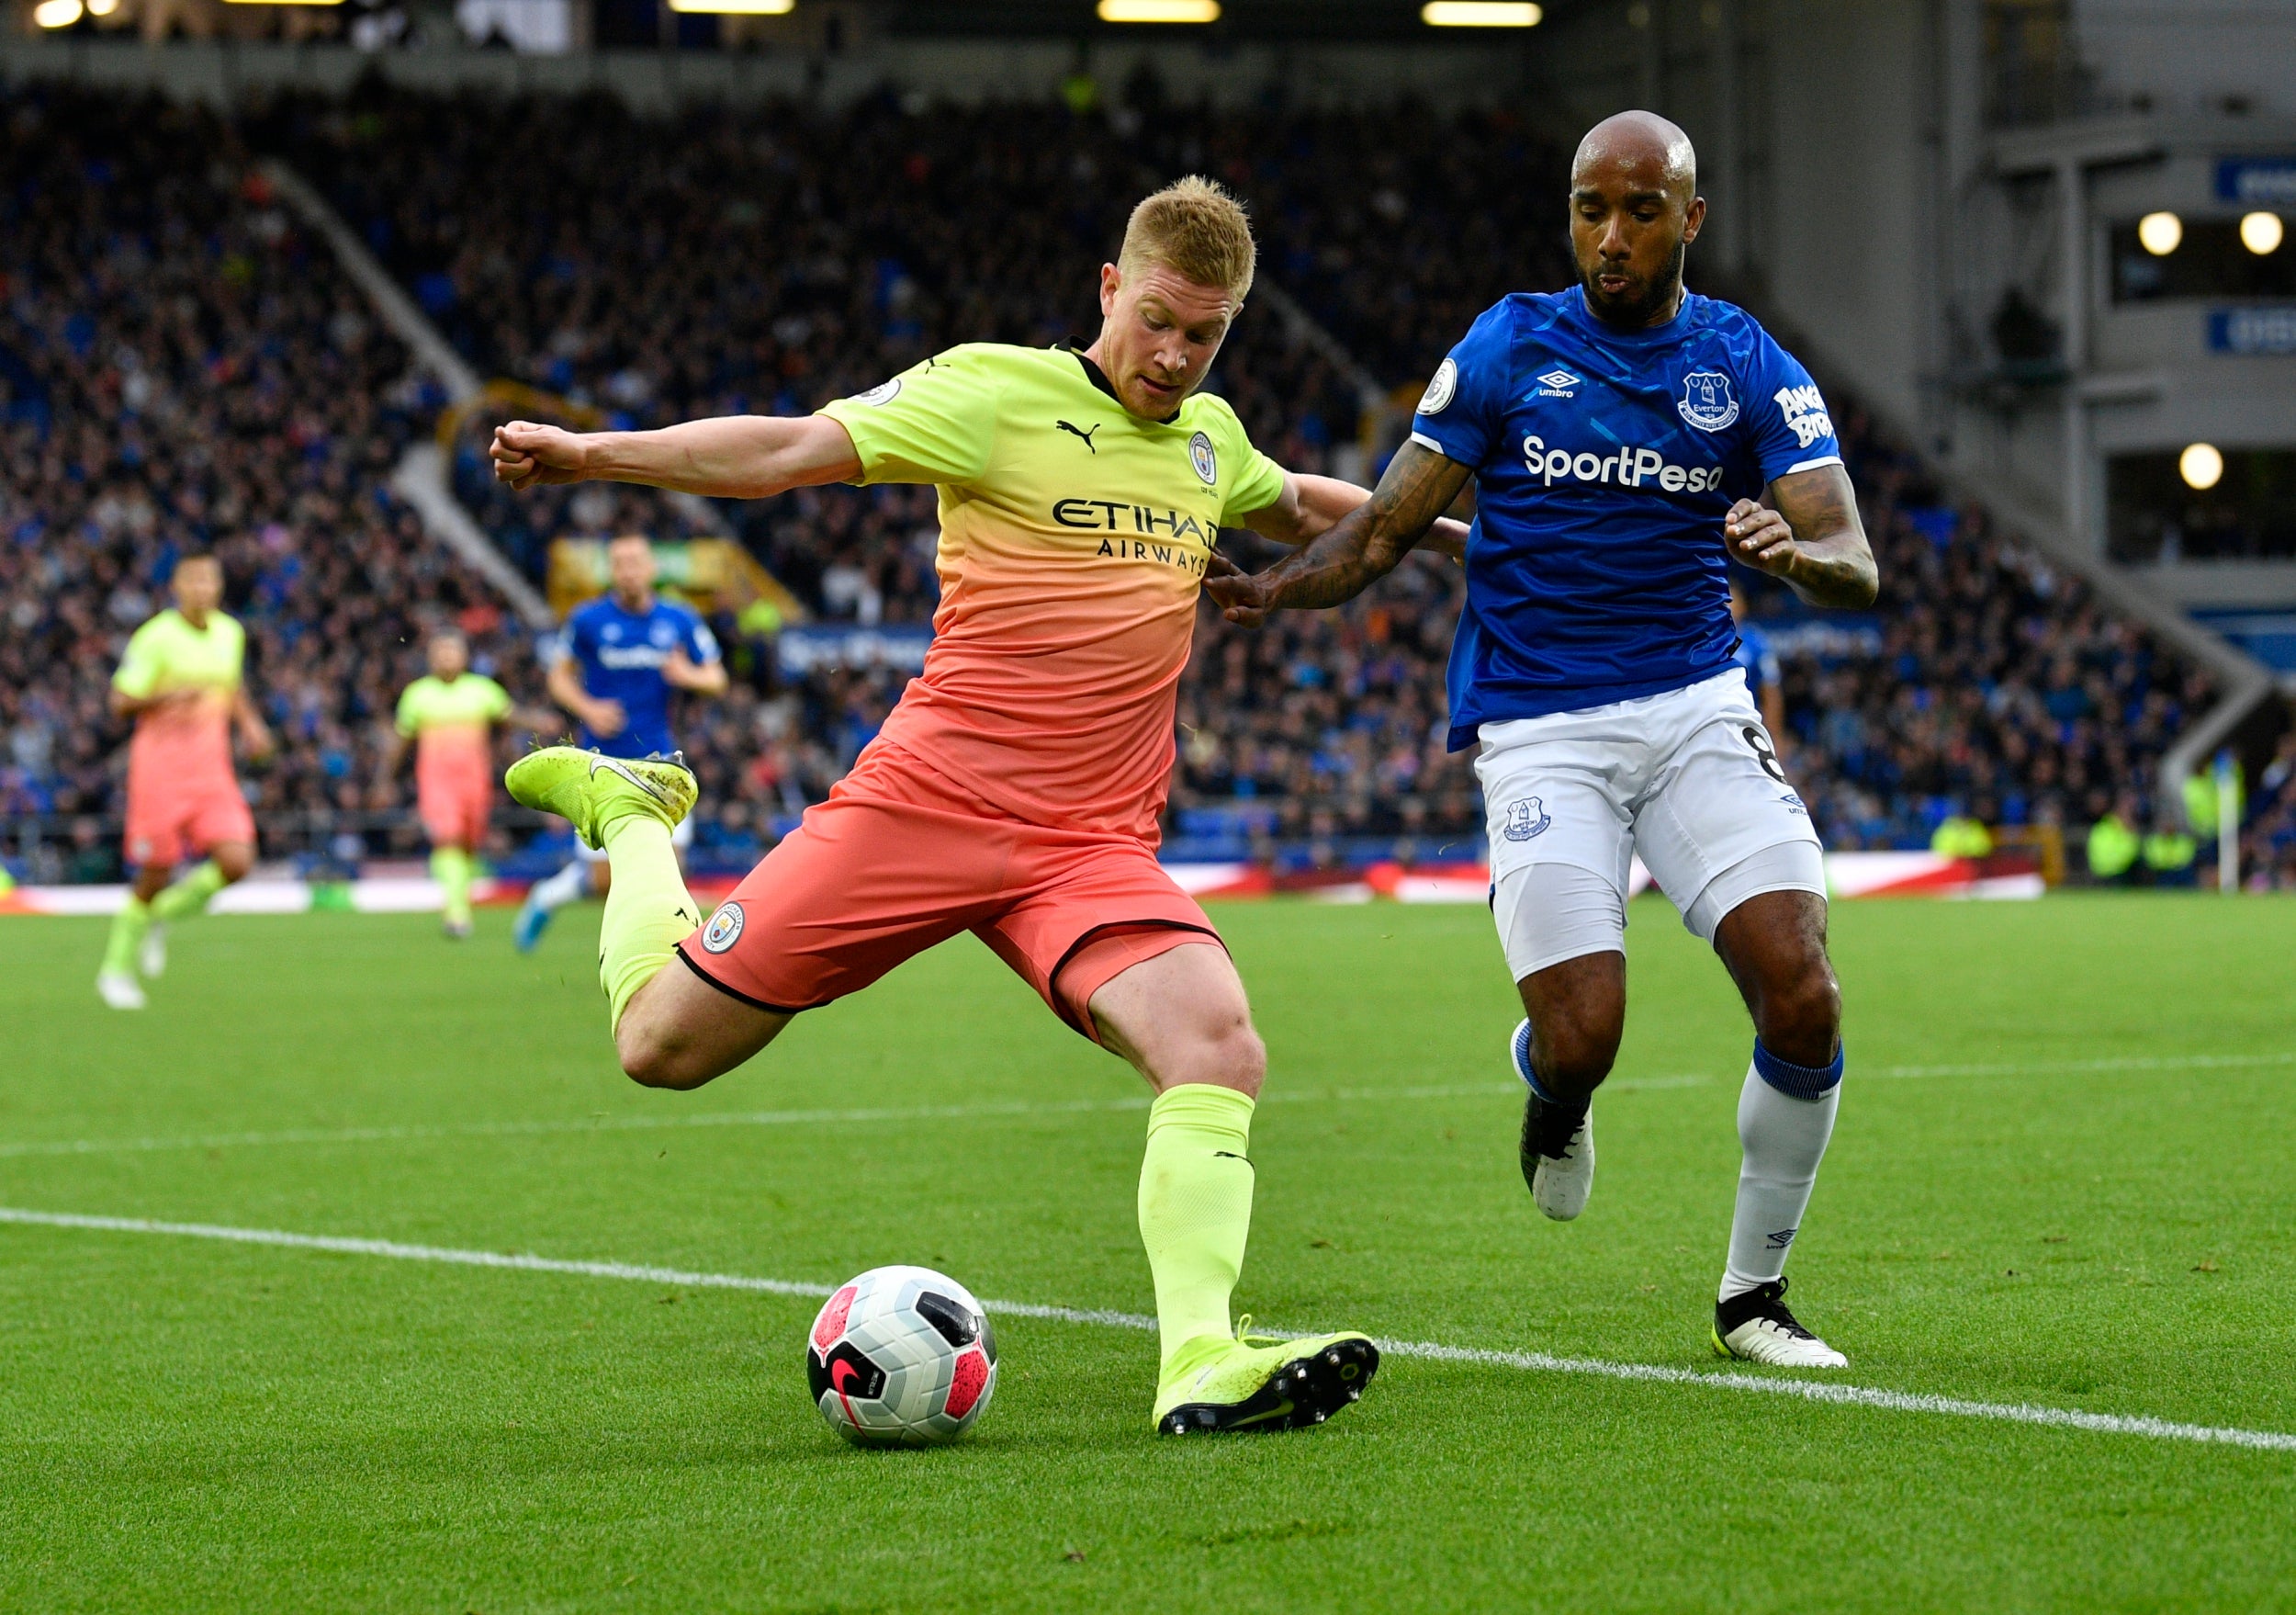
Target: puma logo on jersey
1079 432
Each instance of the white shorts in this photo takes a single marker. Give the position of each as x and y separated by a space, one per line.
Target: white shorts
1688 780
680 838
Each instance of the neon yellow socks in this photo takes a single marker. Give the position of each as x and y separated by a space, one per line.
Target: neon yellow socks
128 928
1195 1207
452 868
188 896
648 912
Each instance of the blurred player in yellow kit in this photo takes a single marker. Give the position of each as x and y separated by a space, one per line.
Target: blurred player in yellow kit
448 717
181 682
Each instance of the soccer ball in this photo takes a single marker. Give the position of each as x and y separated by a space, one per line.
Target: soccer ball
901 1357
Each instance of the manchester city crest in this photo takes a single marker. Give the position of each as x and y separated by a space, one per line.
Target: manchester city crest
1707 401
724 929
1200 456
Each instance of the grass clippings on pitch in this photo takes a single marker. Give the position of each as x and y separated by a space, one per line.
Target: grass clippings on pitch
2061 1178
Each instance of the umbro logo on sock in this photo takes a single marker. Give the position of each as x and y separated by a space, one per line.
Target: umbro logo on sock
1782 1238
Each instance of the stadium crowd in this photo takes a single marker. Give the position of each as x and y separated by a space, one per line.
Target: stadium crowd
770 258
183 369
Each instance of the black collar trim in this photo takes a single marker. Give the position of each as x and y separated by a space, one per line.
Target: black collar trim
1100 378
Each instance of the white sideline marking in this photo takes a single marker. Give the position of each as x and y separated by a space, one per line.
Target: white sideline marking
12 1149
2115 1063
20 1148
1529 1361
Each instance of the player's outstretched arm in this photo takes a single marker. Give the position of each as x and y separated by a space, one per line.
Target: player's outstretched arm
1311 504
1353 552
1814 541
732 456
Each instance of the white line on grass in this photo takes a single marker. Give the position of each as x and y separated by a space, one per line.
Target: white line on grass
18 1148
1529 1361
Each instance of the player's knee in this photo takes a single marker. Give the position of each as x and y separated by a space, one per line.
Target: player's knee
234 862
1230 1055
1801 1017
1242 1060
654 1056
1573 1054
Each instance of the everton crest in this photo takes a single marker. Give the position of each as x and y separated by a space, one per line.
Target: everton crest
1707 401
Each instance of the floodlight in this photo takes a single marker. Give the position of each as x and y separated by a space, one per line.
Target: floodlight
1481 13
2201 465
2160 232
1159 10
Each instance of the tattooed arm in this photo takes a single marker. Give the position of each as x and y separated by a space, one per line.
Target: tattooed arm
1356 550
1814 541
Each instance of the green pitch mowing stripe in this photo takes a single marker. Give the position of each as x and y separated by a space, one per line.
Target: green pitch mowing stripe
16 1148
1535 1362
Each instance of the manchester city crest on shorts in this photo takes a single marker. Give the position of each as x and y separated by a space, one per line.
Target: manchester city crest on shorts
884 392
1525 819
724 929
1707 401
1200 456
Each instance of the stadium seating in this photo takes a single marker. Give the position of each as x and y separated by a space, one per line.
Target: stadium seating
181 368
768 259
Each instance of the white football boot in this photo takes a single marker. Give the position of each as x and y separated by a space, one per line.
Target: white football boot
152 957
120 990
1755 1326
1558 1151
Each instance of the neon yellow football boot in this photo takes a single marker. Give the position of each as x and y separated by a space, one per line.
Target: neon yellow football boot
593 790
1221 1384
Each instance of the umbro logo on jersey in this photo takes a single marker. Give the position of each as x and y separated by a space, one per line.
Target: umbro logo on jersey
1557 383
1080 432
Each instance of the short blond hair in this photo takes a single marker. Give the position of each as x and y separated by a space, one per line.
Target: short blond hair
1196 228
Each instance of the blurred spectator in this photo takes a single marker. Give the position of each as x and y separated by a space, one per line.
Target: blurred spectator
181 368
178 365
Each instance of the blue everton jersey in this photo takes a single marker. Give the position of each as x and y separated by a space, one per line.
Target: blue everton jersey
621 654
1604 463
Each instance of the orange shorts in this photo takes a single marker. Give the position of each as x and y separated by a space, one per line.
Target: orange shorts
168 817
901 858
454 806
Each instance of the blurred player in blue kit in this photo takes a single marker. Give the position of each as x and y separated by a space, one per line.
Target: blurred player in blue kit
1765 678
619 662
1629 438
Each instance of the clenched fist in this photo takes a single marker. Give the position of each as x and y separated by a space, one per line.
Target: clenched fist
528 455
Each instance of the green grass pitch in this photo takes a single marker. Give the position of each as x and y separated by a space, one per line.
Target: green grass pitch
2062 1178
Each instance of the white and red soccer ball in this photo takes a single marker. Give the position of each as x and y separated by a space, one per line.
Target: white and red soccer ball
901 1357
